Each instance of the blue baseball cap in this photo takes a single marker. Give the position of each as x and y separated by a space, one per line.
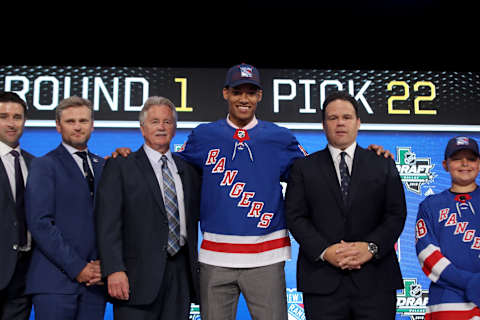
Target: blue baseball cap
242 73
460 143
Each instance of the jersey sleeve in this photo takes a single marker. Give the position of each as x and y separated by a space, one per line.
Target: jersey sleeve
439 268
190 150
293 151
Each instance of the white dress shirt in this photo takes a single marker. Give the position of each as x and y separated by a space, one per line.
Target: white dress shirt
8 161
156 162
336 157
78 159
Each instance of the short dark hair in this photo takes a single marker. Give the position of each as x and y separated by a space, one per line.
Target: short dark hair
10 96
340 95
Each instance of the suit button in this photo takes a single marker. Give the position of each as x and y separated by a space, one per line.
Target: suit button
15 224
15 247
165 247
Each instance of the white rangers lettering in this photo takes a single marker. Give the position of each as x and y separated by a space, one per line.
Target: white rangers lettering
220 166
468 236
443 214
237 189
255 209
476 243
228 177
461 227
212 156
452 220
245 202
265 220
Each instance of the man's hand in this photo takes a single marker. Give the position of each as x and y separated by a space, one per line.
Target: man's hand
379 150
332 255
353 255
118 286
124 152
348 255
90 274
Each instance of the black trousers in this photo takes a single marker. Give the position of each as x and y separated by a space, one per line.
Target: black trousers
348 302
14 304
173 300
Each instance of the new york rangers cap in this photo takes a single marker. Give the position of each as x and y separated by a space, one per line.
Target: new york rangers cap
460 143
242 73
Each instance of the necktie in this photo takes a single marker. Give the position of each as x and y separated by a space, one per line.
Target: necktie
86 170
20 200
344 177
171 206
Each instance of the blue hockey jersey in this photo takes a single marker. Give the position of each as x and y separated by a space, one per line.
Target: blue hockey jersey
448 248
242 211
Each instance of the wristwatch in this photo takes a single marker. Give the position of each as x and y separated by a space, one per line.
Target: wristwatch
373 249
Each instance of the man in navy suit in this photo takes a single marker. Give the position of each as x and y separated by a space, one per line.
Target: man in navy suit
64 275
15 240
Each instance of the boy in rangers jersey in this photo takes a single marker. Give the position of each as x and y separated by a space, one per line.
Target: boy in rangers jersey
448 238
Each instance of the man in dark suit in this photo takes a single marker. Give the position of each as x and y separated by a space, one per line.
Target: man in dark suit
346 208
147 211
64 276
15 240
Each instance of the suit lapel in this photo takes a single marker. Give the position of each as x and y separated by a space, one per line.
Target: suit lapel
97 168
4 180
328 169
66 159
149 175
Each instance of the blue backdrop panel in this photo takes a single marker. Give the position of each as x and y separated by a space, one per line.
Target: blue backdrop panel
418 155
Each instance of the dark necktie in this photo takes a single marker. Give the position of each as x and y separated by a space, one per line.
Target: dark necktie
171 206
344 177
20 201
86 169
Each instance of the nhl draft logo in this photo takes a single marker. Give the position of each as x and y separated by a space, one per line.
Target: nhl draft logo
412 301
296 310
194 312
414 171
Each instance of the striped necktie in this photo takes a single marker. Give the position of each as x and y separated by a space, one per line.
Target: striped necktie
171 206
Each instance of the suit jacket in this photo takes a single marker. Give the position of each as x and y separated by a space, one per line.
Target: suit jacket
59 211
8 225
132 223
317 218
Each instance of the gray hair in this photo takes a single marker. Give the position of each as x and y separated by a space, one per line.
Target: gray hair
157 101
72 101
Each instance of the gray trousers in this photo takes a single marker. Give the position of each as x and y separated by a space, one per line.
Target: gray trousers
264 290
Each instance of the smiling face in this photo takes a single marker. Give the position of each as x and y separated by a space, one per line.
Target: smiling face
158 127
75 125
463 167
341 124
12 123
242 103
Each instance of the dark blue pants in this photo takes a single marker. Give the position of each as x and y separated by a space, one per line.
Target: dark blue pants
88 304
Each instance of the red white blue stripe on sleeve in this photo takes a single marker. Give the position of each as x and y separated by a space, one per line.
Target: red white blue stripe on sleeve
433 262
450 311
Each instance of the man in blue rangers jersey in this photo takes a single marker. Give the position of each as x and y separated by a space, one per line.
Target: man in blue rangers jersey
245 239
448 239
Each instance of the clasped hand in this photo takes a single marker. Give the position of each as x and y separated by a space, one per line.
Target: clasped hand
91 274
348 255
